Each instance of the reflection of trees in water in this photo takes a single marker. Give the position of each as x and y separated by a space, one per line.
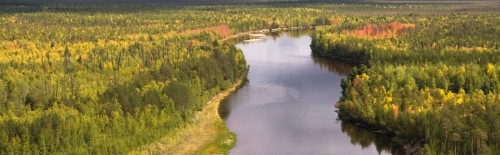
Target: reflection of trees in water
275 35
270 35
239 39
336 66
224 109
298 33
290 33
365 138
225 106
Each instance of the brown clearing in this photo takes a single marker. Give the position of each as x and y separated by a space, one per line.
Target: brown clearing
223 31
335 20
380 31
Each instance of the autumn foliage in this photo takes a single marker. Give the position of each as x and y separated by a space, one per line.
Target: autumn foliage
438 83
381 30
335 20
222 31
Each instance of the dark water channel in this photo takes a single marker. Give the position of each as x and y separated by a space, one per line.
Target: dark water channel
286 108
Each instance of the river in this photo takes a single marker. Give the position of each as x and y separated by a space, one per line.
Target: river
286 108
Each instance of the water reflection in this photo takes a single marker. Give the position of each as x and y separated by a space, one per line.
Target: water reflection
334 66
364 138
249 39
287 105
295 34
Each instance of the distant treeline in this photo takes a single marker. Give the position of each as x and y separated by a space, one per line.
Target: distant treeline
143 2
220 2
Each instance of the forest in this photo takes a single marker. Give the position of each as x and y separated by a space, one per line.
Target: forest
109 80
112 79
425 78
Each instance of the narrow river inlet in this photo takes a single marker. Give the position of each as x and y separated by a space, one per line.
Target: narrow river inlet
287 107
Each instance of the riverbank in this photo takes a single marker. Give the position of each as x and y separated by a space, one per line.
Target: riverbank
409 146
412 87
270 30
207 134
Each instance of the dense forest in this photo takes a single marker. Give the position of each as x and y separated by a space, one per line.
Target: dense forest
92 80
109 80
89 88
431 78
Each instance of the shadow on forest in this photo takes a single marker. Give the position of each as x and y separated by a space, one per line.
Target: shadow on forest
365 138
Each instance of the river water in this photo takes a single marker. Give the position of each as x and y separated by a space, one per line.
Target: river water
286 108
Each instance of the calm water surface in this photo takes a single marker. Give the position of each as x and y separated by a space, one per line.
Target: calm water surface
286 108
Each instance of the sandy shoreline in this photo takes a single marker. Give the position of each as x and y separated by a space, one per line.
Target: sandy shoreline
206 127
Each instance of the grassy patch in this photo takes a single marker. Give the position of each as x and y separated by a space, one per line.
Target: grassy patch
224 141
206 134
